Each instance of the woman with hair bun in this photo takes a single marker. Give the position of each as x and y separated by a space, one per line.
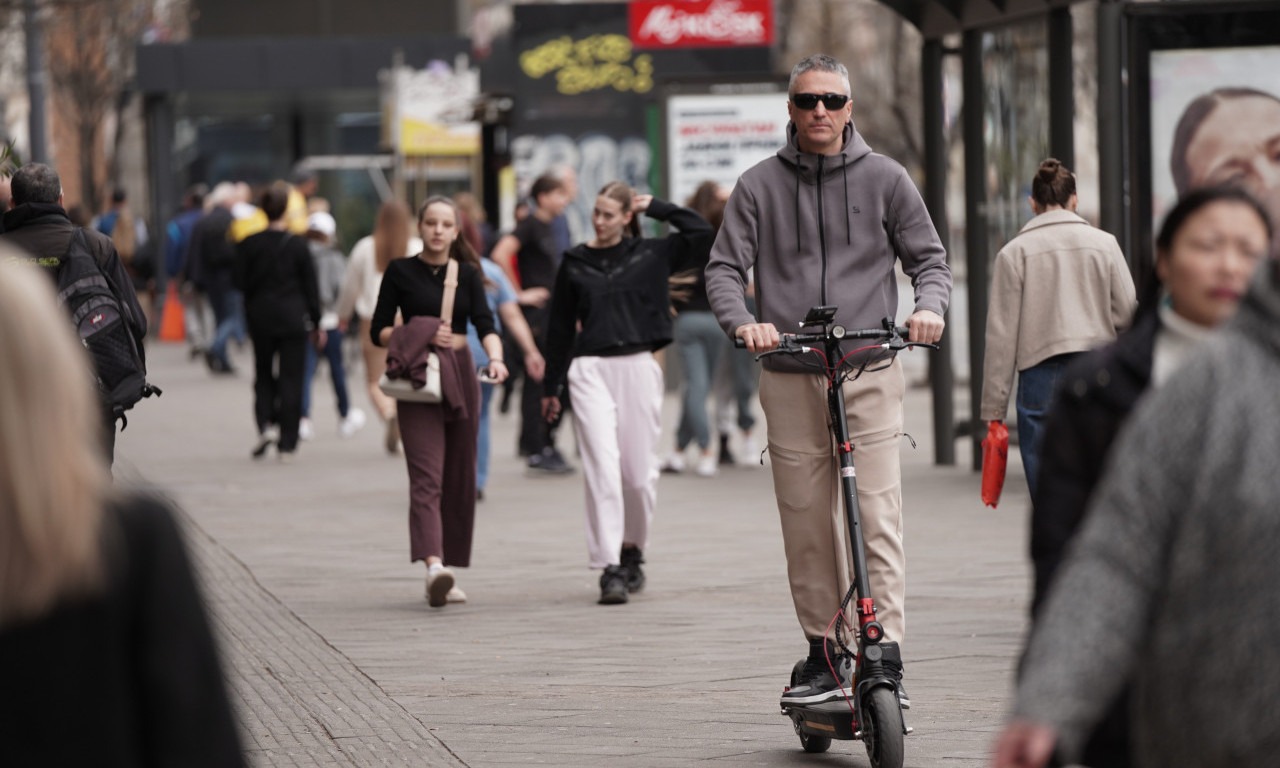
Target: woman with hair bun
1060 287
610 312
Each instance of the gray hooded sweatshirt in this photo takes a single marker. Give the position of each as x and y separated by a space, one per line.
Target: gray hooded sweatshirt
824 230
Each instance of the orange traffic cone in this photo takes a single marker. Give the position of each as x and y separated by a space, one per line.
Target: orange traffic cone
172 327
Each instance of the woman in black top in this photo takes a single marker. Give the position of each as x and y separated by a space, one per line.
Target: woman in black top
275 272
615 288
440 438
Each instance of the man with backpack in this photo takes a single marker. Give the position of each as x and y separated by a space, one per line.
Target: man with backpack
110 322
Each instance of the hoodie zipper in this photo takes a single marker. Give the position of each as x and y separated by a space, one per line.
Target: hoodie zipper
822 237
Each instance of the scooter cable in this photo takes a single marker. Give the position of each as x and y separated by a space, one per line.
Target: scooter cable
826 652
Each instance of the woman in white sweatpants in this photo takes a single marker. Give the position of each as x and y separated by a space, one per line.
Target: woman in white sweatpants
609 313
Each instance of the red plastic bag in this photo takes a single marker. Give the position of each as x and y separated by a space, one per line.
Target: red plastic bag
995 458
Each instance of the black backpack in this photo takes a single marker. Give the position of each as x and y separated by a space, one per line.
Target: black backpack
102 321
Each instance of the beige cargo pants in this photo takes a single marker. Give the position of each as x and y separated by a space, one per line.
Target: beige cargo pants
807 485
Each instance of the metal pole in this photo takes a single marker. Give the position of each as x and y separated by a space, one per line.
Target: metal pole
976 239
36 90
941 376
1111 138
1062 111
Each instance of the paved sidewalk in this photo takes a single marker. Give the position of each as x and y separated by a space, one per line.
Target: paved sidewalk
337 660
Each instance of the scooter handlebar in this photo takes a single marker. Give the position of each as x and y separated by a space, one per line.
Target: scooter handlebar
793 339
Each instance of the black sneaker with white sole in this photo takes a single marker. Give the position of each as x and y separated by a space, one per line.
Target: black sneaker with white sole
613 585
813 682
894 671
632 559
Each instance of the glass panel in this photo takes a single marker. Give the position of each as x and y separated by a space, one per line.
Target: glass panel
1016 128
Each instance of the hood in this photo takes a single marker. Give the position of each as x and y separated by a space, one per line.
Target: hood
855 147
805 167
28 212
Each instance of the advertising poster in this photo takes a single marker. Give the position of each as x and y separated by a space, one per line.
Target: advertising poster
715 137
1215 118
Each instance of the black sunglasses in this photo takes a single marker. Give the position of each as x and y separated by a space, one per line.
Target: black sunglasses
807 101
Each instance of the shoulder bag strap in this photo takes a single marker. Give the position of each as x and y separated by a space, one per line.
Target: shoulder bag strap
450 288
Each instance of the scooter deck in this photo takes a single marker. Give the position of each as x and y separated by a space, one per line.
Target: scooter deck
832 719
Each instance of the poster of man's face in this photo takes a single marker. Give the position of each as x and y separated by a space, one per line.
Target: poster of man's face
1215 119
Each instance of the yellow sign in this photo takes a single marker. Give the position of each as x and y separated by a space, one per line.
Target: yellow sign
590 64
418 137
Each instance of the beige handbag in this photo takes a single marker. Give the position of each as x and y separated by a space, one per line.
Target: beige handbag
403 389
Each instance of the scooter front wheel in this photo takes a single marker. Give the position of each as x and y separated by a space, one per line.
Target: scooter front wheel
882 730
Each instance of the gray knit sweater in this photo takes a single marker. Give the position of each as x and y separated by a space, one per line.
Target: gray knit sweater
1174 580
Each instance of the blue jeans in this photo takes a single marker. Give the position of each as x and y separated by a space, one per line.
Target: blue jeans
229 309
1036 386
333 353
701 343
482 438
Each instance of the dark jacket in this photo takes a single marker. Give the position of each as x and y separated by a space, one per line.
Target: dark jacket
1097 393
275 271
44 231
127 677
407 359
211 256
625 307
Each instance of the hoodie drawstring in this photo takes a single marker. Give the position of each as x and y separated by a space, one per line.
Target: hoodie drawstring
799 169
848 231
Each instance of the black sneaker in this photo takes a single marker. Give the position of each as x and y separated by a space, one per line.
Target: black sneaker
725 458
613 585
549 462
894 671
632 558
815 684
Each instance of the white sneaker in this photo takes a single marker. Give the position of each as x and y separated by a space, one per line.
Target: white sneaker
708 465
674 463
352 424
305 430
439 582
751 452
455 595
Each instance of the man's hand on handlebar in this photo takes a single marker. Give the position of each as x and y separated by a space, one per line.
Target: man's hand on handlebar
926 327
759 337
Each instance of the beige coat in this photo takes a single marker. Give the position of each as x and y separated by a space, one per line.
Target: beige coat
1061 285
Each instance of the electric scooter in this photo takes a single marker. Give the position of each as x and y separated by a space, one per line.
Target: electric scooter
870 710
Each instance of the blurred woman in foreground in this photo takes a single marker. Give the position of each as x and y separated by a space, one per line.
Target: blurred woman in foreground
106 656
1208 249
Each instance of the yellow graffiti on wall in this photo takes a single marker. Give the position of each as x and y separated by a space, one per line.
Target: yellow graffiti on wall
590 64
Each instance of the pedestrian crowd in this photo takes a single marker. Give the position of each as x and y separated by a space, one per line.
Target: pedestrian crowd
1144 418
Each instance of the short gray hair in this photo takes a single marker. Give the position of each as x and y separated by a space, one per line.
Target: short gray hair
35 183
819 62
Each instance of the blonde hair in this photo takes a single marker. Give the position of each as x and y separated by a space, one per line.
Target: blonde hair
391 233
53 477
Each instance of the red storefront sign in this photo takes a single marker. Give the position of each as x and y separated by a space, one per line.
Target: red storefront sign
700 23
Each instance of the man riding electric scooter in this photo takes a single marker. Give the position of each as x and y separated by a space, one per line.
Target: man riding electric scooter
823 223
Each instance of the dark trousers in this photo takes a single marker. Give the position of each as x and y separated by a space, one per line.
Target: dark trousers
441 457
535 433
278 363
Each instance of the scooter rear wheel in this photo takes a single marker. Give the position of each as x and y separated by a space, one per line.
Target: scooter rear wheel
810 743
882 730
